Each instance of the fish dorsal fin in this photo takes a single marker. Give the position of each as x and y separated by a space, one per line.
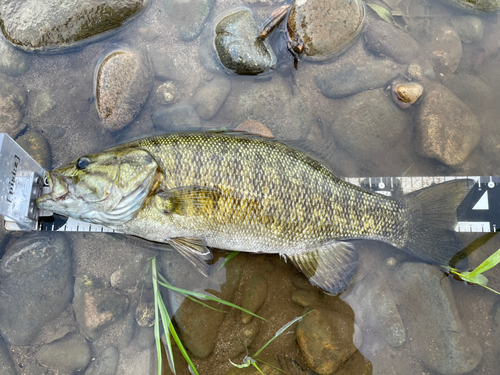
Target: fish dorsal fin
330 267
188 200
195 250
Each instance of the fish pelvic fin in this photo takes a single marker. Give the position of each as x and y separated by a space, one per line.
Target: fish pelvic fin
331 266
432 217
195 250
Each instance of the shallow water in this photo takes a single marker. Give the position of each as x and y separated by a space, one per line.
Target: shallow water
403 322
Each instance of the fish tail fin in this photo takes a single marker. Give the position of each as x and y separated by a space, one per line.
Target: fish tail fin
432 217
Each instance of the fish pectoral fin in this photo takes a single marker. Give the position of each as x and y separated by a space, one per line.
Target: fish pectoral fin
188 200
195 250
331 266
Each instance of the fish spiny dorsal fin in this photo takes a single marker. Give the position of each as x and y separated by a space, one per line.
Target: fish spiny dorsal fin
331 266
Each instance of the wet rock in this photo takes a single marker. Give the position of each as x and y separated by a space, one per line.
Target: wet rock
131 276
264 368
35 25
375 306
436 335
145 338
35 285
304 297
106 364
238 45
164 66
469 28
471 90
7 366
254 127
174 118
43 104
476 6
188 16
12 101
325 340
253 296
13 62
368 124
199 325
124 80
387 40
405 94
210 98
446 129
96 306
145 314
38 147
445 49
68 354
272 104
327 28
414 72
358 365
300 281
354 79
167 93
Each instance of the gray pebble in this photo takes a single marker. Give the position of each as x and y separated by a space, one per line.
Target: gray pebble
12 102
189 16
96 306
106 364
387 40
469 28
210 98
37 147
13 62
175 118
353 80
164 66
35 285
123 82
68 354
43 104
445 49
254 296
167 93
145 338
446 129
47 26
238 46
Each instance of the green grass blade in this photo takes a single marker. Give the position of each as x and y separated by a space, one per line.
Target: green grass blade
204 304
257 367
185 292
280 331
228 258
490 262
157 298
384 14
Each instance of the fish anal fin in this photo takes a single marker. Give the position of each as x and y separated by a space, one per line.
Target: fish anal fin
188 200
331 266
195 250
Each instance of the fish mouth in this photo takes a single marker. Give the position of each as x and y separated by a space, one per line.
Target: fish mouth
59 189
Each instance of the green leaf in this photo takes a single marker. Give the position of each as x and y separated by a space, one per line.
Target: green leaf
228 258
279 332
490 262
185 292
384 14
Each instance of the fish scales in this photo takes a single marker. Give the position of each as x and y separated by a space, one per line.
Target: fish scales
245 193
272 195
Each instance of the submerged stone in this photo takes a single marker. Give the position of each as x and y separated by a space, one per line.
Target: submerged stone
50 25
188 16
69 354
124 80
12 101
239 47
476 6
327 27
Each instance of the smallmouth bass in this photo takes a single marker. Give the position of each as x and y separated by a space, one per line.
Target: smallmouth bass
245 193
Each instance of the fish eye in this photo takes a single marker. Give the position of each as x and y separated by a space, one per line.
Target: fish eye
82 163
